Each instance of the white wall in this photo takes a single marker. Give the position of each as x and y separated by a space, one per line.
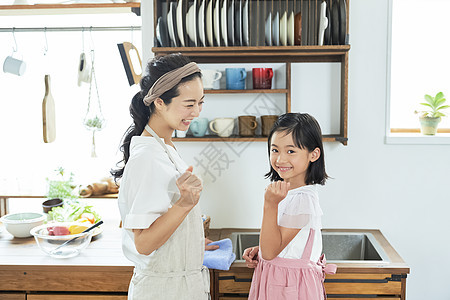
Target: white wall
400 189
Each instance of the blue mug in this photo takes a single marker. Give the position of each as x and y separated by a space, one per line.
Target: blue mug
199 126
235 78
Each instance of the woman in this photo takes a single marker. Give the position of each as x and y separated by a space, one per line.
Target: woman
158 194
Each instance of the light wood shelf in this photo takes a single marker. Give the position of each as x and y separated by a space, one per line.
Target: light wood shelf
76 8
265 91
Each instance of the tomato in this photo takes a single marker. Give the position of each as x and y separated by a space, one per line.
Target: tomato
88 216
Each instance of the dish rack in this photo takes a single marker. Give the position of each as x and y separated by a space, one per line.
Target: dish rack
247 23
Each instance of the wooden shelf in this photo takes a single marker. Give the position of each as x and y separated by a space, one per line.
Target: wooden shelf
236 138
265 91
260 53
77 8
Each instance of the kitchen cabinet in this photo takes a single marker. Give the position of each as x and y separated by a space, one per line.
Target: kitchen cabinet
237 55
101 272
352 280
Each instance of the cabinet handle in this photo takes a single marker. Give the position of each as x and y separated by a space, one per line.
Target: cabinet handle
235 279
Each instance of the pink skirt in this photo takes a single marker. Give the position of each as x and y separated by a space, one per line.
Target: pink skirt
287 279
291 279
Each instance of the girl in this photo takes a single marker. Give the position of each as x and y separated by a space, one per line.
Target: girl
289 265
163 233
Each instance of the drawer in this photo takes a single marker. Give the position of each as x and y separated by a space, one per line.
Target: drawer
74 297
363 284
13 296
234 282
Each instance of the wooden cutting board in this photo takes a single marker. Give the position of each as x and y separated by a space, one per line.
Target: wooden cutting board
48 113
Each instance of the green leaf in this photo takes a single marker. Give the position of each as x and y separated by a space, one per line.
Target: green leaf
439 102
438 114
443 107
429 99
426 104
439 96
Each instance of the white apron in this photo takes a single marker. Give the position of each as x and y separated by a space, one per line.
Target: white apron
177 270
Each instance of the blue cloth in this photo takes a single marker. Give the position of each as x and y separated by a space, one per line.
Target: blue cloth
222 258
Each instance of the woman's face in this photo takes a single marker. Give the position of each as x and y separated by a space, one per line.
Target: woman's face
186 106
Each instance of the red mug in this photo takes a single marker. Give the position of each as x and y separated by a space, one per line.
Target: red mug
262 78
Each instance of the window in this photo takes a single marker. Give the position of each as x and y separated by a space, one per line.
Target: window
419 61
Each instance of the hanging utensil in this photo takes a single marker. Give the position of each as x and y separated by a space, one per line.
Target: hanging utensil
124 50
48 113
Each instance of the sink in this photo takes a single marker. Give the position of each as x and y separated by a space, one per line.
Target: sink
339 247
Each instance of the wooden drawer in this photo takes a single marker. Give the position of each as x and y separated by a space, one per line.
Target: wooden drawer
74 297
233 282
362 284
13 296
377 298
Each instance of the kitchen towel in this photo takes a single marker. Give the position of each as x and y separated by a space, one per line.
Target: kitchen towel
222 258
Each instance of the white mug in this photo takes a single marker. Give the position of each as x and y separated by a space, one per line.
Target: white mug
211 79
222 126
14 66
181 134
84 69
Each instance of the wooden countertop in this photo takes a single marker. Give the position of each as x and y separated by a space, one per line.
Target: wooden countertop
105 254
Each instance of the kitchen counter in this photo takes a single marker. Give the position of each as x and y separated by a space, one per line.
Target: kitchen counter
102 272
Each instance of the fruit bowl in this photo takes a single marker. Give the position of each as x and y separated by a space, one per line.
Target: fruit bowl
51 237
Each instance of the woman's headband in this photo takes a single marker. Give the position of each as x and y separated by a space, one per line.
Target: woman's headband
168 81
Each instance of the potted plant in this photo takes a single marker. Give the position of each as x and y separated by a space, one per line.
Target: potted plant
430 118
61 186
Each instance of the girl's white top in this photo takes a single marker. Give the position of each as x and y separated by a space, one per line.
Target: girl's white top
147 190
301 209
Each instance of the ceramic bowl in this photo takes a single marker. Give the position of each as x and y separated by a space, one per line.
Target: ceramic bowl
20 224
50 243
47 205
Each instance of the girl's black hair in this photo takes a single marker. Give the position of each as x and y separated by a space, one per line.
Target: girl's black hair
140 113
306 134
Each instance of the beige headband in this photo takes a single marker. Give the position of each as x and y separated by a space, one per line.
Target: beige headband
168 81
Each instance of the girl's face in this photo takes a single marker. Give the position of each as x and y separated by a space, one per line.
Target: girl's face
186 106
290 161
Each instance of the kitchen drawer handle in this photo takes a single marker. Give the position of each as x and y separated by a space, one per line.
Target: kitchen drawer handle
235 279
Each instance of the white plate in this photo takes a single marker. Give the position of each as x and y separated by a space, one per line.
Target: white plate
209 23
201 24
268 30
276 30
224 22
180 28
190 25
283 30
97 231
217 22
170 23
194 23
231 23
245 23
290 29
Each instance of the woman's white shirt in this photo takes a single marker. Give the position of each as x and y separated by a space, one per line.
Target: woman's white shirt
147 190
301 209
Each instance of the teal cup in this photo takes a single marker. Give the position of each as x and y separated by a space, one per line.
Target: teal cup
199 126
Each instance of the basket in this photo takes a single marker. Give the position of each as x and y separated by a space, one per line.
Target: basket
206 225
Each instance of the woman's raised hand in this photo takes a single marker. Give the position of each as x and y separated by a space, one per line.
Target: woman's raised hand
276 191
190 187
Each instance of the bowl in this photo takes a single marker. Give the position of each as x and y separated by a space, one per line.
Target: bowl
20 224
47 205
50 244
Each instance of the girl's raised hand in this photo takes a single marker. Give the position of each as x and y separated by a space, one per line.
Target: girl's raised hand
276 191
190 187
